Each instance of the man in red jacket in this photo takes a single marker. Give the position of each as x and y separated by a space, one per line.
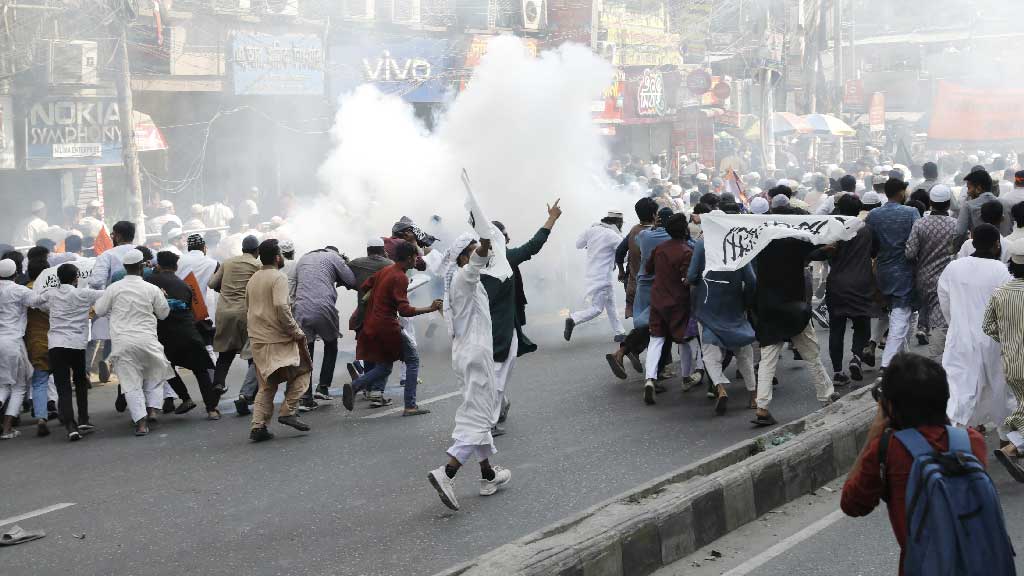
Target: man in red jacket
913 394
381 342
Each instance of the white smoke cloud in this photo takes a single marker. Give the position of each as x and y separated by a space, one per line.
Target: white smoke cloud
523 131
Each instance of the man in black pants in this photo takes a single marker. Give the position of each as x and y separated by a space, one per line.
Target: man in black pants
230 281
182 343
68 307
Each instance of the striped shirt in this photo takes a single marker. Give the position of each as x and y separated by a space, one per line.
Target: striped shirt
1004 323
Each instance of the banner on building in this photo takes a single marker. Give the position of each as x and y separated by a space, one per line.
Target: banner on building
973 115
731 241
7 161
695 30
876 112
72 133
277 64
417 69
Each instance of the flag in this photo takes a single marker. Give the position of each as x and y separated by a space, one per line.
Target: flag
199 310
734 186
732 240
498 267
103 242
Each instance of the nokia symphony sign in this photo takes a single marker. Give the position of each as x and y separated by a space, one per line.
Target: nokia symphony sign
72 133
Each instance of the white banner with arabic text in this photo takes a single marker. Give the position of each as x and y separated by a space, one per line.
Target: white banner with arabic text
733 240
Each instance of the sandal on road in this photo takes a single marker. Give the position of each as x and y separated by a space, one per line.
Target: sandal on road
762 420
415 411
18 535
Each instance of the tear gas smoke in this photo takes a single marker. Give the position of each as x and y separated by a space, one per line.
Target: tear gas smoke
523 131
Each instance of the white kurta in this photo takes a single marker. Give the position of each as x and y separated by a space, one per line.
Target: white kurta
90 226
600 242
977 385
30 230
198 263
103 270
15 368
472 354
134 306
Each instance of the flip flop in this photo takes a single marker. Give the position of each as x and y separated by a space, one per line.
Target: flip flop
618 369
1012 467
415 412
18 535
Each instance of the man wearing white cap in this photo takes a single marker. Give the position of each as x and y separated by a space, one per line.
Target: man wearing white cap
15 368
174 239
759 206
92 222
138 359
195 221
166 214
600 241
34 227
1004 323
929 248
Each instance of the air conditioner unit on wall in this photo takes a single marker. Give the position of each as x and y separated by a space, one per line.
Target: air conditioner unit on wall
533 14
72 62
279 7
405 12
231 6
357 9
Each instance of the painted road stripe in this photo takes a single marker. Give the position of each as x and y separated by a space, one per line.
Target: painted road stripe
420 403
35 513
756 562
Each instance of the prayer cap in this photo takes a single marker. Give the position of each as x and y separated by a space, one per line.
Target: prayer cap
374 242
7 268
614 214
173 233
196 242
871 197
940 193
759 205
133 256
250 244
287 246
702 177
780 200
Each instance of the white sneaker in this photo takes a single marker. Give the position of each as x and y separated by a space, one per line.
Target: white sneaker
501 477
445 487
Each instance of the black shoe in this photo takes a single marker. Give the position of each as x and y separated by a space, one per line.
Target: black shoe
820 315
294 422
634 360
168 407
220 389
42 430
51 410
104 371
353 372
308 405
242 406
497 431
922 338
658 388
839 380
260 434
855 369
868 357
649 392
322 393
184 407
347 396
569 325
120 404
86 428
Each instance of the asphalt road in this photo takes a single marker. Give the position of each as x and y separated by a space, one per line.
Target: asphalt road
351 496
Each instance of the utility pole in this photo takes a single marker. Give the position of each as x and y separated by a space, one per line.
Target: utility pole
126 110
837 54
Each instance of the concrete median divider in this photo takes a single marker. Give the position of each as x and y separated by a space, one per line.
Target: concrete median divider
670 517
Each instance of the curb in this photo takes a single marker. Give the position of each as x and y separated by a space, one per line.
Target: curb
664 520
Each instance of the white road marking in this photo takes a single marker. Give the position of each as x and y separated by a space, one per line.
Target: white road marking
420 403
756 562
35 513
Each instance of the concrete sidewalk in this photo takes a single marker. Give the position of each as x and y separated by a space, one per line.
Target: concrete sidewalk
811 536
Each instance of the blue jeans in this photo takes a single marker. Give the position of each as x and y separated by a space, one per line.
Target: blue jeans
40 393
375 378
250 385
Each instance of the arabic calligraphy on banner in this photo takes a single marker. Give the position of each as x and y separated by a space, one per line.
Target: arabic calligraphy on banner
650 94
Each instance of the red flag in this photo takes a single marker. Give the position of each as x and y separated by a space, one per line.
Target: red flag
103 242
733 185
199 310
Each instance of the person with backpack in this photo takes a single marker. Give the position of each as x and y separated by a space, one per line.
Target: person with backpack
942 505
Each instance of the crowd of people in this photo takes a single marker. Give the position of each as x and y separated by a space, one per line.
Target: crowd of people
930 263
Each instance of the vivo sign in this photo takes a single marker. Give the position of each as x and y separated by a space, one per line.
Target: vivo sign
416 68
389 69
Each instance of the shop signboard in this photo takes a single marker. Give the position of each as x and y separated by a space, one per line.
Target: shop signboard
277 64
7 161
977 115
415 68
695 30
69 132
853 95
876 113
650 94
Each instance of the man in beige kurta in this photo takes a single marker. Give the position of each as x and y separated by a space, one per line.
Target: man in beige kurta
230 281
278 344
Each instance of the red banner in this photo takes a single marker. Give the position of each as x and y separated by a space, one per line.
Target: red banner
974 115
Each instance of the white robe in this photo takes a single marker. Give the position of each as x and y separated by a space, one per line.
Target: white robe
90 226
472 355
134 306
974 367
30 230
600 242
15 368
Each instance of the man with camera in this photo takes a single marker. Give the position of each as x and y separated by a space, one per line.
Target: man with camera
406 231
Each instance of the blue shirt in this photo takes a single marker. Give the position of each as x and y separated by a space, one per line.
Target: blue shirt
890 227
648 240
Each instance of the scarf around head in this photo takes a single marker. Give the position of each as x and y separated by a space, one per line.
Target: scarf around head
450 265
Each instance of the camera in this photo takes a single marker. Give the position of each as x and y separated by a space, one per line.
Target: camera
422 238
